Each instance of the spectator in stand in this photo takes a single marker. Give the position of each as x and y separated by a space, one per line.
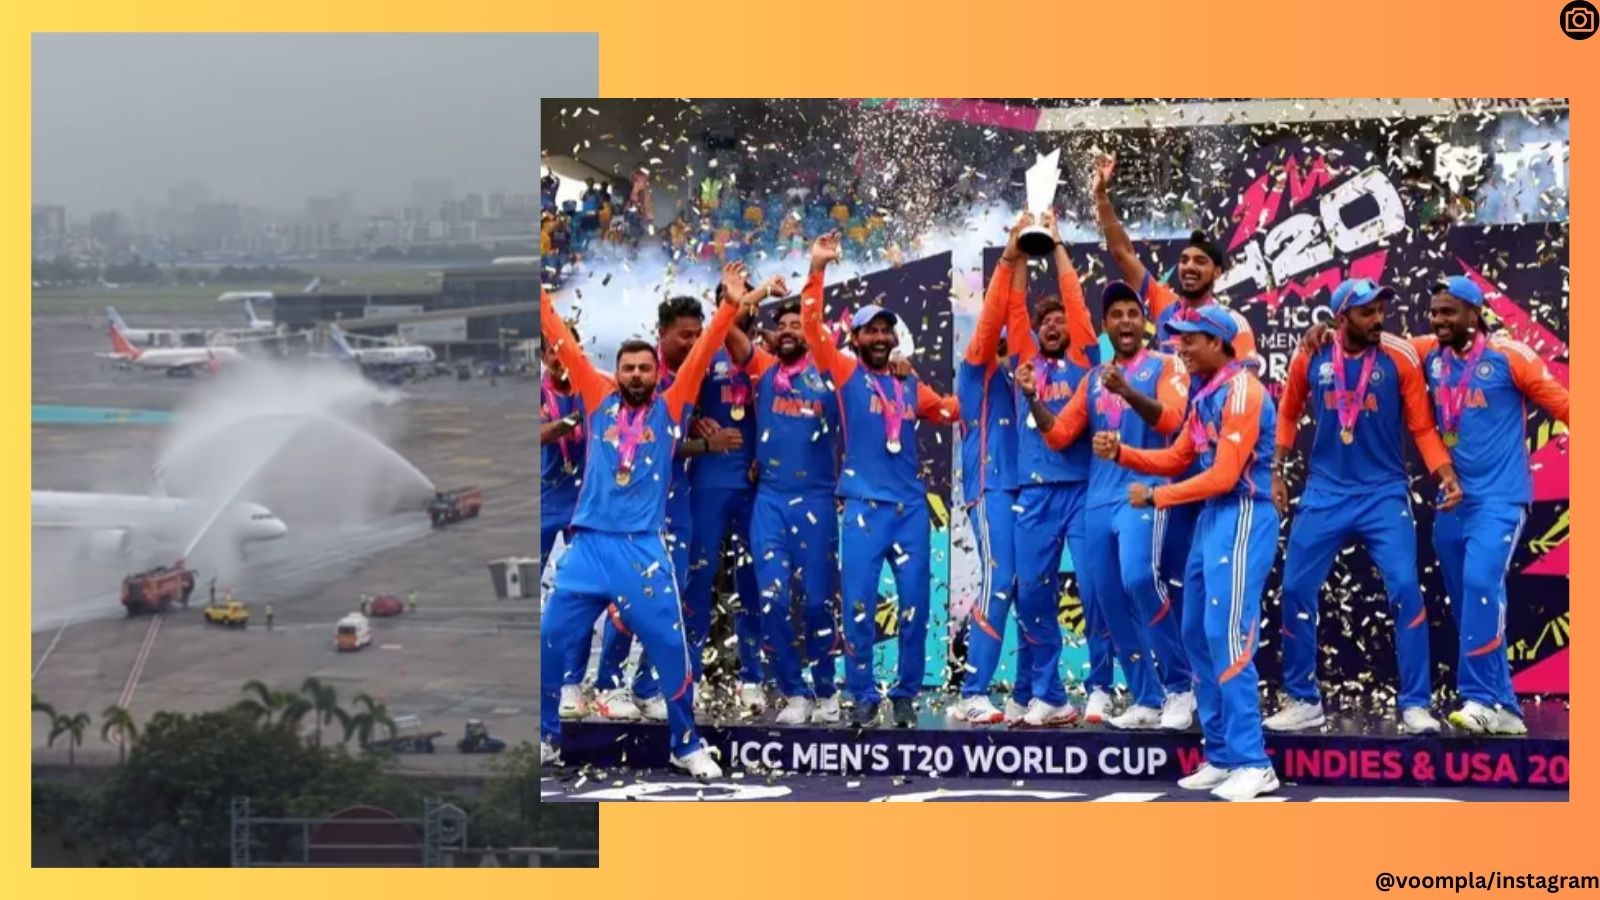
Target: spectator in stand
639 200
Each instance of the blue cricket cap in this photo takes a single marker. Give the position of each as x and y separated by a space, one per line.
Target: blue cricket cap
1211 319
1357 292
868 313
1462 288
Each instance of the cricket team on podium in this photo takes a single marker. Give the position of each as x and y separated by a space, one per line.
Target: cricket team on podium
1157 468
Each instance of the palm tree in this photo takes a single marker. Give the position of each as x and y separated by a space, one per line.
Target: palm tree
372 716
73 727
260 701
39 706
325 704
118 719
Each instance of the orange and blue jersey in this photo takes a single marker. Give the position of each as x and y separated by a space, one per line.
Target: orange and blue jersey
1396 401
1164 303
1092 408
986 391
1037 462
1489 447
640 505
870 471
1224 433
558 470
797 423
727 387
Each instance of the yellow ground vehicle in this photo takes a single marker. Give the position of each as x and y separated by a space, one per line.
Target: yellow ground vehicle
230 614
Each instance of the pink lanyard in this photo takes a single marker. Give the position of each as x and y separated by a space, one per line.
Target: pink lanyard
1042 365
1453 399
630 428
893 411
552 412
1348 402
1197 429
783 379
1112 406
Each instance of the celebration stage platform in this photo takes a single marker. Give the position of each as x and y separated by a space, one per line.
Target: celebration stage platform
1351 751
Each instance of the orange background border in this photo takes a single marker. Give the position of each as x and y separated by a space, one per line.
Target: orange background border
715 48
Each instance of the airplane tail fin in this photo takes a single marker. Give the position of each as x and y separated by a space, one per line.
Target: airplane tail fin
113 318
250 315
341 347
121 344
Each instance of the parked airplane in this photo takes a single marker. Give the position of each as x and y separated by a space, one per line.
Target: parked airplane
112 522
156 337
175 360
403 355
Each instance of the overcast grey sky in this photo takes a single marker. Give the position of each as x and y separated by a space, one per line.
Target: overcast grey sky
270 119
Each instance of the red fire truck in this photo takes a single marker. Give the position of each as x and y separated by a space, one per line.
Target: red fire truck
154 590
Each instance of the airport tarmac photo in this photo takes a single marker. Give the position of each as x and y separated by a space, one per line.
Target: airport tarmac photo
284 413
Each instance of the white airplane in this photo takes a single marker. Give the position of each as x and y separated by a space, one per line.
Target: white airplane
154 337
112 521
175 360
403 355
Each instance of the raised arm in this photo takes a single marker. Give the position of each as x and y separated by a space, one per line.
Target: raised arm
692 373
830 361
591 386
1117 240
1236 444
1531 376
996 305
1081 336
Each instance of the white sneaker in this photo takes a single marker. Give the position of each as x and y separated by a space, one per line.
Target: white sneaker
1098 709
796 711
1417 720
572 703
548 754
1043 715
752 699
699 764
1475 717
1507 721
1204 778
617 705
1136 718
654 709
1297 715
975 711
1177 711
1247 784
826 711
1014 712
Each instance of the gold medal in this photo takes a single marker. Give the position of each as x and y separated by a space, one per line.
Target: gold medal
1451 438
623 477
893 446
737 413
1348 435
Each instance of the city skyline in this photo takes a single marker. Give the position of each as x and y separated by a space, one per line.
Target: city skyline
269 121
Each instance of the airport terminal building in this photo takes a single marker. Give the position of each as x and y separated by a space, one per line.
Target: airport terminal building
423 316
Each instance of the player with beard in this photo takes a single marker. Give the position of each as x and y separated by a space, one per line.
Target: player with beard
986 390
619 559
1235 540
1053 488
1122 584
794 529
723 495
1369 391
1200 264
885 505
1481 384
679 324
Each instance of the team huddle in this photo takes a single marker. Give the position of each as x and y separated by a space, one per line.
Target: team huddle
1161 471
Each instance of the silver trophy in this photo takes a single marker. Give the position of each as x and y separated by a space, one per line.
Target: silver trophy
1042 179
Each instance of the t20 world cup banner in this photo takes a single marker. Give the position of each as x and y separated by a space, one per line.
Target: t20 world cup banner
1296 219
